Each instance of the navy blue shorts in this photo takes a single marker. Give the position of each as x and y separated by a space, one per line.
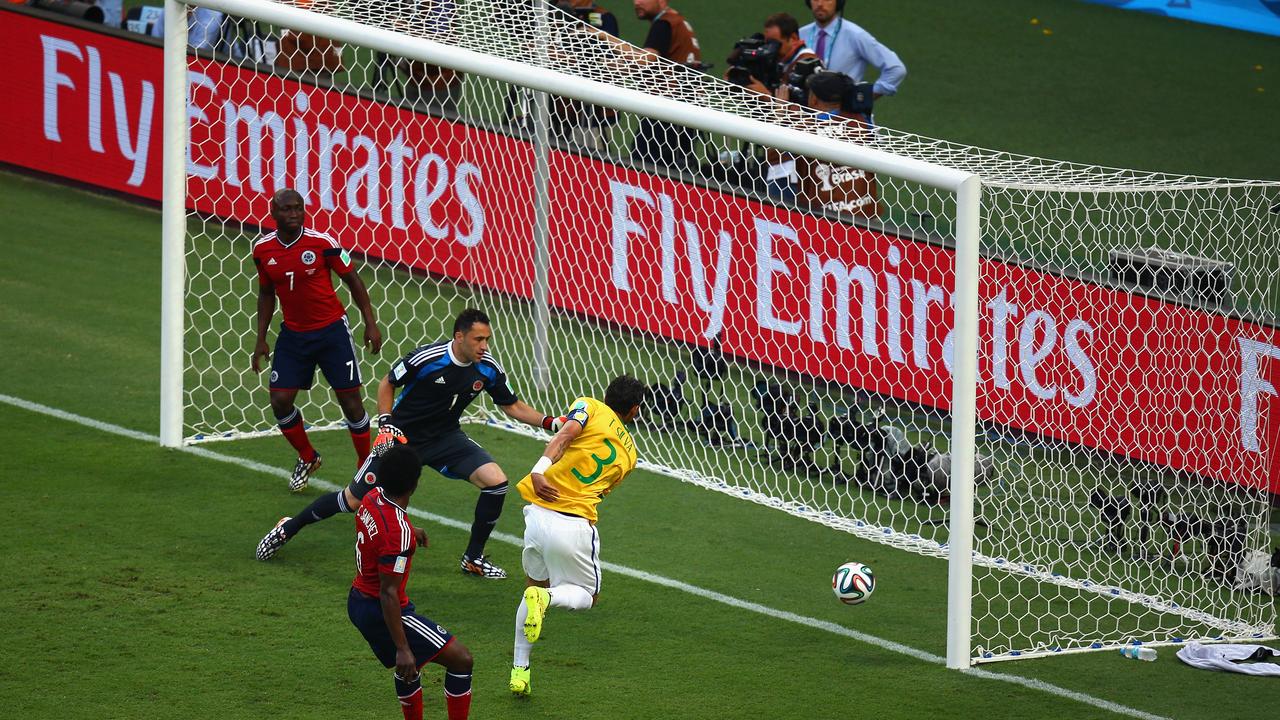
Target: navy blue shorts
453 455
425 637
293 365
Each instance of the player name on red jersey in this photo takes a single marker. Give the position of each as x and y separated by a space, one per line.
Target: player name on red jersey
384 544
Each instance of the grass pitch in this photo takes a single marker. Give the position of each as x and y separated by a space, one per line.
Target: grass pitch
134 592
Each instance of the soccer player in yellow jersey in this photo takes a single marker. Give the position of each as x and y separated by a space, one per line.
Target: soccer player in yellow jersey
591 454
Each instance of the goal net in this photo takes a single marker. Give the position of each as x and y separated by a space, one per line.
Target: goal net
794 316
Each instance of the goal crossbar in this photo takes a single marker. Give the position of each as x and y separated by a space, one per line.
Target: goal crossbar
593 91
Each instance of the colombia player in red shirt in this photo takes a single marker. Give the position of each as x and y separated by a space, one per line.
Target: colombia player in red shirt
294 264
378 605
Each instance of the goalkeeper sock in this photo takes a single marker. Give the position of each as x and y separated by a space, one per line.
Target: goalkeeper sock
410 694
569 596
457 694
360 438
296 433
488 509
326 505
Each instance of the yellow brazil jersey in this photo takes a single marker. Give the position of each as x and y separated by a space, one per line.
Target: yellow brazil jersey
594 463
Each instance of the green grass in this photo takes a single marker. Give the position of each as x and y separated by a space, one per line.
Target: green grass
160 597
134 567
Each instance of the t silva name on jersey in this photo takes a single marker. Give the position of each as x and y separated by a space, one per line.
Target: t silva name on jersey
622 434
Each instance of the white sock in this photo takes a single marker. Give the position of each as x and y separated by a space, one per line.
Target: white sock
570 596
523 646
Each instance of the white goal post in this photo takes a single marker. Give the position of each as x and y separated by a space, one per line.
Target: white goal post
869 335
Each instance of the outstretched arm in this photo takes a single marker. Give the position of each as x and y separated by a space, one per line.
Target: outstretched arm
519 410
360 295
266 309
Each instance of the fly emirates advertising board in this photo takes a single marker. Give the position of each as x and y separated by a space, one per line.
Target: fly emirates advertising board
1059 356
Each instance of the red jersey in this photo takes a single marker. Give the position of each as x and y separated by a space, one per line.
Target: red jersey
384 543
300 273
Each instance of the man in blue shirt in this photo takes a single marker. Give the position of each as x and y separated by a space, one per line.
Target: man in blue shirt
846 48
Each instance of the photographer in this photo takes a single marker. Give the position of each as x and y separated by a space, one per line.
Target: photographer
796 63
831 187
670 34
311 56
775 62
792 52
764 61
671 37
793 435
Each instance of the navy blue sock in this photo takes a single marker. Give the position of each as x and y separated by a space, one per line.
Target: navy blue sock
326 505
410 695
457 683
488 510
405 689
457 693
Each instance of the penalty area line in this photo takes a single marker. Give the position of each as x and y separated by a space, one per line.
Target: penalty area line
667 582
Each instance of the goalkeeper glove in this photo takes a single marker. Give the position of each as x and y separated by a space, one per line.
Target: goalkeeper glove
388 436
552 423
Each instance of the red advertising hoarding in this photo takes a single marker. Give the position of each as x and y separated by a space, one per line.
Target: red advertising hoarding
1059 357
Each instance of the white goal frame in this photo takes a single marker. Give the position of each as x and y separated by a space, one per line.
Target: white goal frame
966 187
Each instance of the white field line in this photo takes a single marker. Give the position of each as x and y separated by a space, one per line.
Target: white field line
731 601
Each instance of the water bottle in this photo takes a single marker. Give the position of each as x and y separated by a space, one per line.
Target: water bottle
1137 652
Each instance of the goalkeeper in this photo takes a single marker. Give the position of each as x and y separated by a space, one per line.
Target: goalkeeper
437 382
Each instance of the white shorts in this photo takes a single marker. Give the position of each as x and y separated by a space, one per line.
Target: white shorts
561 548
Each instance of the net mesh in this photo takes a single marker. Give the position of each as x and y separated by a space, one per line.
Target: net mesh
792 318
532 33
1141 536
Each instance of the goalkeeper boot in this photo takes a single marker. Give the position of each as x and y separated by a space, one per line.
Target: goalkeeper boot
481 567
519 684
536 600
273 540
302 473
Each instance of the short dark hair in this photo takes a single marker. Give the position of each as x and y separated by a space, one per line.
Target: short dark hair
624 393
787 25
285 195
467 318
398 471
829 86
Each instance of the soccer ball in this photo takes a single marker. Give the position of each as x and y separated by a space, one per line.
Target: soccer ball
853 583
